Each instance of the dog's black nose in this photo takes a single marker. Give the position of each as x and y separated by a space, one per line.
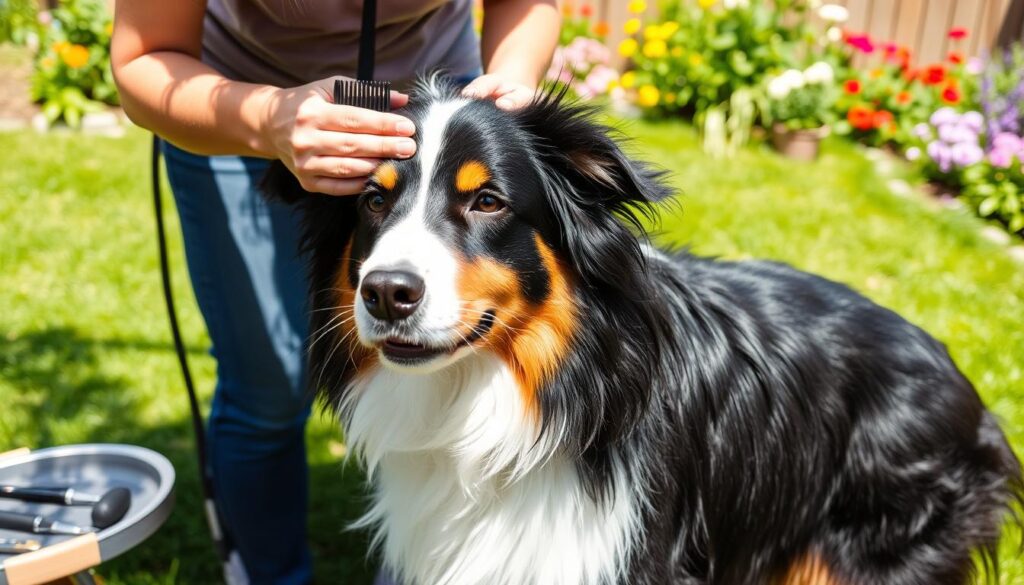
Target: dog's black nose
392 295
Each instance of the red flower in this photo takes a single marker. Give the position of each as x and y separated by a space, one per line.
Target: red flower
861 117
934 74
586 10
911 74
904 97
882 119
852 86
950 94
958 33
955 57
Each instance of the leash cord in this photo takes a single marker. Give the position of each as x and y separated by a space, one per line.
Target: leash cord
221 541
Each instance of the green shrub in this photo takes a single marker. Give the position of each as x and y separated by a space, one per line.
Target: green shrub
710 59
72 69
17 21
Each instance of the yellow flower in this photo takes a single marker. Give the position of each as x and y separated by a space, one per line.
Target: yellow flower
632 25
628 79
696 59
652 32
628 47
654 49
648 96
669 28
60 46
74 56
706 3
612 85
670 98
637 6
109 29
677 51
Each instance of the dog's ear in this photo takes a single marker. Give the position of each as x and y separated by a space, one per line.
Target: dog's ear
279 184
600 195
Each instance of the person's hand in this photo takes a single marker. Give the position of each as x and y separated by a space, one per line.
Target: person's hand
332 148
507 94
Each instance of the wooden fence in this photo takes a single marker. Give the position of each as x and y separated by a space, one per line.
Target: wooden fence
921 25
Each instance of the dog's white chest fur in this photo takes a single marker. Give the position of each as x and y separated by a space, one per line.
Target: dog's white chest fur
463 493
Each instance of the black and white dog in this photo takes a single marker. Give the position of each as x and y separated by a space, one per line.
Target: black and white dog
539 397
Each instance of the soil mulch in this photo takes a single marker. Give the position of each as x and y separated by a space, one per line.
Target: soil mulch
16 107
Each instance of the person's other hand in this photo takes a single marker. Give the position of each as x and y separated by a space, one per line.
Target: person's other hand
332 148
507 94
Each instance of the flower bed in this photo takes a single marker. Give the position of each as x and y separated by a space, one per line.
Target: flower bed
72 73
732 64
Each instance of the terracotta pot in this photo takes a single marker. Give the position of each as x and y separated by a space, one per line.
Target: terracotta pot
798 144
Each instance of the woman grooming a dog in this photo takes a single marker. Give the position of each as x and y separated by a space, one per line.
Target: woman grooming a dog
231 84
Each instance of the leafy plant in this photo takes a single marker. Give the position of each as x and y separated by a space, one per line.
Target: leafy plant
802 100
582 62
709 59
72 74
886 97
17 21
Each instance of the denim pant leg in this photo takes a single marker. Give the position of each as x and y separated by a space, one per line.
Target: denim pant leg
250 283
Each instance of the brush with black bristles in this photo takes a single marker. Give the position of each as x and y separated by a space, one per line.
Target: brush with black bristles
362 93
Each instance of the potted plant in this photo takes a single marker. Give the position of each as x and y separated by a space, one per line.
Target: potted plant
799 109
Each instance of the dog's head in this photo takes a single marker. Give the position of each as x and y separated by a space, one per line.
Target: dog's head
502 234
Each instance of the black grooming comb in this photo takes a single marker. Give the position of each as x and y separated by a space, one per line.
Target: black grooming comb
360 93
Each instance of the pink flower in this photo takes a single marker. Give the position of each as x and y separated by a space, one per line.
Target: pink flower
597 81
861 42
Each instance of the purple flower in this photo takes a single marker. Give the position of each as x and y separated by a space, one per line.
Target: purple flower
940 153
957 134
923 131
973 120
944 115
966 154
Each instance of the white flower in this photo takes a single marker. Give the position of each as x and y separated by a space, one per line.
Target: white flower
778 88
794 78
913 153
819 73
834 13
730 4
834 34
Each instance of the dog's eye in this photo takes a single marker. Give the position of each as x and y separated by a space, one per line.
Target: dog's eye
487 203
376 202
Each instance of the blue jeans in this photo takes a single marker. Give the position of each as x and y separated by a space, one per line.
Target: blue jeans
250 283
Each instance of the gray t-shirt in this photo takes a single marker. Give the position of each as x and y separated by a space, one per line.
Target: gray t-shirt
292 42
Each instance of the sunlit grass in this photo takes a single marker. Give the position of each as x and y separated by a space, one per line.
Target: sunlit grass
85 352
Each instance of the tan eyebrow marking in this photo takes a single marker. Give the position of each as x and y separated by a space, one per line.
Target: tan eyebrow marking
387 175
471 176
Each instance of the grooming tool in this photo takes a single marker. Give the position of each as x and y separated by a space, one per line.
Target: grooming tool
361 93
35 524
11 546
107 509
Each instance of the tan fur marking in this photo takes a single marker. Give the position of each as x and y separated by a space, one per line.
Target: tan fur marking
471 176
387 175
531 338
809 570
361 356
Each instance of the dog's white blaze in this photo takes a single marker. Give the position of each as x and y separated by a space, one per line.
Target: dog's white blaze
464 495
410 244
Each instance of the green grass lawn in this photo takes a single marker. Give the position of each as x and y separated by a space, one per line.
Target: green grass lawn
85 352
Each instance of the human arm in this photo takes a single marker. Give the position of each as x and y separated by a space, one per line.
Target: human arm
155 57
519 37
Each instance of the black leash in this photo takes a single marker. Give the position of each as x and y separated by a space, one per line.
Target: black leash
221 539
